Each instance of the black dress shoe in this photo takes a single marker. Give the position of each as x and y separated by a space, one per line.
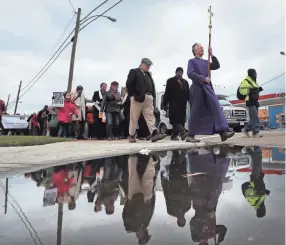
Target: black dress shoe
184 136
175 138
158 137
192 139
226 135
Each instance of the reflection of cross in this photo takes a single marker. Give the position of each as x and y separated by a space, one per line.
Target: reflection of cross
211 14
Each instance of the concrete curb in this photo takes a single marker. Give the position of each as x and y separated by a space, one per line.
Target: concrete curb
25 162
70 152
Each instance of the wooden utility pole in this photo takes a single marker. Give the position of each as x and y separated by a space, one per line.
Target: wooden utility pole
6 196
76 30
17 100
7 103
60 223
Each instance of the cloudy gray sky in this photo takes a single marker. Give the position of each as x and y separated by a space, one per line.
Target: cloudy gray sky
246 34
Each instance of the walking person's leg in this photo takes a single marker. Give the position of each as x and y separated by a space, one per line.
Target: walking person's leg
109 124
60 133
77 130
80 129
175 132
73 129
148 113
257 126
68 126
135 112
65 130
90 133
85 129
178 129
116 123
134 183
41 129
148 180
252 120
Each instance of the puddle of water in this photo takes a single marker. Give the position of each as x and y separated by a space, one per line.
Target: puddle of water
231 195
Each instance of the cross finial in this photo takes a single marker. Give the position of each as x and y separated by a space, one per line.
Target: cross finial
210 14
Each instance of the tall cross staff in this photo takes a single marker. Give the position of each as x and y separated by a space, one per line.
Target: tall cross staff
210 37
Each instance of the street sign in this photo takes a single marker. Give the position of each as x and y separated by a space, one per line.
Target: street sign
50 197
58 99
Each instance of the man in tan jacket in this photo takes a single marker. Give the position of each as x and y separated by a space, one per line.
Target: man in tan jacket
78 122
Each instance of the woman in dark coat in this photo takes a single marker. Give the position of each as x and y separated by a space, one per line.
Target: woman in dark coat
99 127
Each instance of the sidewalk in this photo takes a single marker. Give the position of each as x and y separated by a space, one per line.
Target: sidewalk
76 151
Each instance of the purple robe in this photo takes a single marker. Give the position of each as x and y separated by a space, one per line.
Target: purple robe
205 192
206 116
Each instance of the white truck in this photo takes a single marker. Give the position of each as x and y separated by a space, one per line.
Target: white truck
236 117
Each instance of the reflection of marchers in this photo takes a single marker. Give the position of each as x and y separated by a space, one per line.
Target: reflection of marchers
205 191
176 188
254 190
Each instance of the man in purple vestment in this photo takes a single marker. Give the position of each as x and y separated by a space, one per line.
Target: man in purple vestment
206 116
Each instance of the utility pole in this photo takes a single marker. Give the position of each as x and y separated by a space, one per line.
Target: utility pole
76 30
7 103
17 100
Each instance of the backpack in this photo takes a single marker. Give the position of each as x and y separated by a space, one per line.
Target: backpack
54 122
90 118
239 95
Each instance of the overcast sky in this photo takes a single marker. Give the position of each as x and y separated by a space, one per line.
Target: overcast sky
246 34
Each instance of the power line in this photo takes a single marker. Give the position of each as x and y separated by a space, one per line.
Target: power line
24 220
72 6
49 60
94 10
44 69
100 15
273 79
64 32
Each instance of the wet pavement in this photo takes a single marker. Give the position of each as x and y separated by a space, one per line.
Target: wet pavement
228 195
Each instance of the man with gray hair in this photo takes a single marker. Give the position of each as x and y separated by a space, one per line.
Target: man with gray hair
206 116
141 89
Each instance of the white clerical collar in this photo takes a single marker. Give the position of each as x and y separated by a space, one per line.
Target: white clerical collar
199 57
100 94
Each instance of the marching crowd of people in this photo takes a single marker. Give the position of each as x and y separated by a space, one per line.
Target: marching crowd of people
108 117
133 180
133 113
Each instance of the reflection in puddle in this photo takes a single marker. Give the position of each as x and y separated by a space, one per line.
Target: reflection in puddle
161 198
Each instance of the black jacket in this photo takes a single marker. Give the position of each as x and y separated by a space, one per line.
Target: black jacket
136 85
96 97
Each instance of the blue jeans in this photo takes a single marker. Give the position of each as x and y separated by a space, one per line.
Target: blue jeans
112 123
254 123
64 130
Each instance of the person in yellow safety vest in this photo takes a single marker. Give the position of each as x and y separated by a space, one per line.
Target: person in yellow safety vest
249 90
254 190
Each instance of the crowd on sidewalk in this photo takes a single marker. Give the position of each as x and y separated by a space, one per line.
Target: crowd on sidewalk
133 114
107 117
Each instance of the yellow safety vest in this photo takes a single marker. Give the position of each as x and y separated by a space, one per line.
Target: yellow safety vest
245 87
252 198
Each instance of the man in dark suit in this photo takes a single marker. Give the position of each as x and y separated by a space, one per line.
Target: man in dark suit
99 126
141 88
175 101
